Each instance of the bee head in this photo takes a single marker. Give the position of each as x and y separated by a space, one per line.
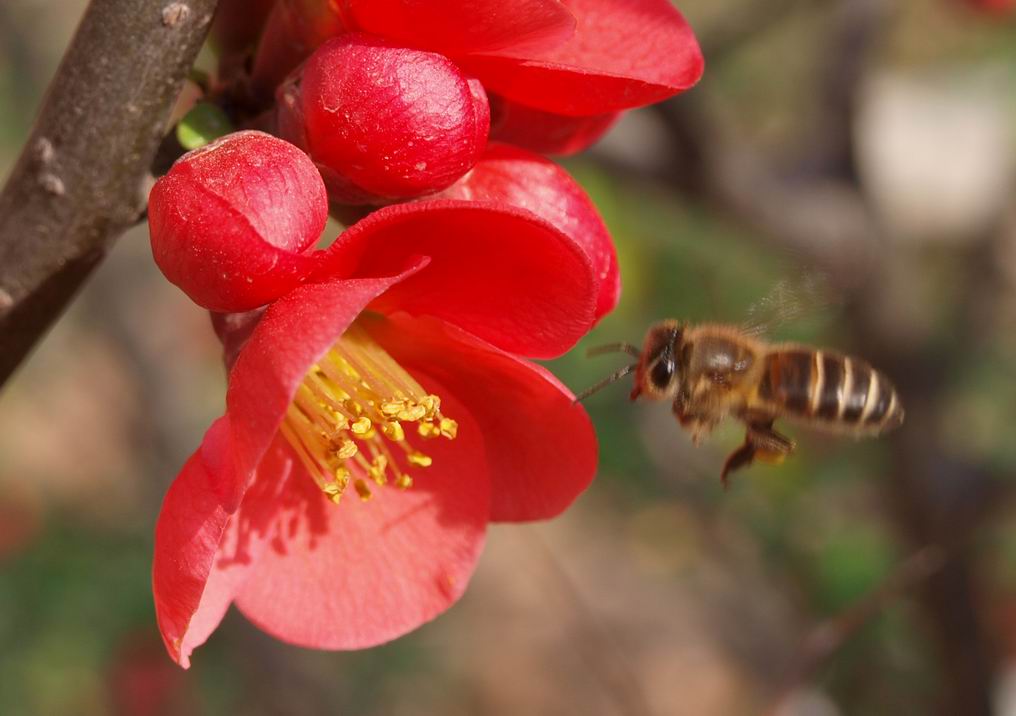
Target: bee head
658 374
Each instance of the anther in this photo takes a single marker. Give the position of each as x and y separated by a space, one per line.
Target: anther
361 427
418 458
362 490
347 448
449 428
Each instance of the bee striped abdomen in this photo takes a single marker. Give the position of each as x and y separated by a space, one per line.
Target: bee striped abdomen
841 392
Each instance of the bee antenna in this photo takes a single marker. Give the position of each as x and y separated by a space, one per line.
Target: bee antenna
628 348
612 378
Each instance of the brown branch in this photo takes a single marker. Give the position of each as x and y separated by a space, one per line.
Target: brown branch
81 178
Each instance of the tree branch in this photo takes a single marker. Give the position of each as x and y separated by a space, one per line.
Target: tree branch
81 178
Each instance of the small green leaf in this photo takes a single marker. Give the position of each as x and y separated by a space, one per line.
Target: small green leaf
203 124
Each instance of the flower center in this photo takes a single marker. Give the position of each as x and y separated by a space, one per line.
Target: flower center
349 417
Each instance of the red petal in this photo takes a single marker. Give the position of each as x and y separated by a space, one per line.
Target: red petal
546 132
187 535
357 574
454 27
516 177
500 272
296 330
200 558
625 53
541 446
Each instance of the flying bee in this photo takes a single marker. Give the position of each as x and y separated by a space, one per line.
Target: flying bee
712 371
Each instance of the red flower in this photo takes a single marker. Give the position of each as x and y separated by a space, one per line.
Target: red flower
394 373
549 62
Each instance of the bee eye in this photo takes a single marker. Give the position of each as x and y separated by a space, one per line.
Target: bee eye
662 372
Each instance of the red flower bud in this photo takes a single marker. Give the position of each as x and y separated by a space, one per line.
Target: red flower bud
383 122
232 221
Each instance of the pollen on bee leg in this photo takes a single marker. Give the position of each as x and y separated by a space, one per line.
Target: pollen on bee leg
351 408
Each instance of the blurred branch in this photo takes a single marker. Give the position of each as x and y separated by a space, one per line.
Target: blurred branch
831 635
855 36
80 180
938 499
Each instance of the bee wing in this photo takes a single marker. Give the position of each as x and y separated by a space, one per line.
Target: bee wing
789 301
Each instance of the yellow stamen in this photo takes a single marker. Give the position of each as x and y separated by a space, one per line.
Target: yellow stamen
347 448
449 428
393 431
350 408
418 458
362 490
362 426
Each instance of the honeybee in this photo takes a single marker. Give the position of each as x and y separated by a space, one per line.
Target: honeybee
712 371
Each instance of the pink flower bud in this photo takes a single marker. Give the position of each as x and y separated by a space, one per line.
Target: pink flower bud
232 222
383 122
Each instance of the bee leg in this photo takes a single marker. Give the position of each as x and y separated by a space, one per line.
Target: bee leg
698 424
761 442
742 457
770 446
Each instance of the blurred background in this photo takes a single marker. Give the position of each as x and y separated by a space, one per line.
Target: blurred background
867 141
